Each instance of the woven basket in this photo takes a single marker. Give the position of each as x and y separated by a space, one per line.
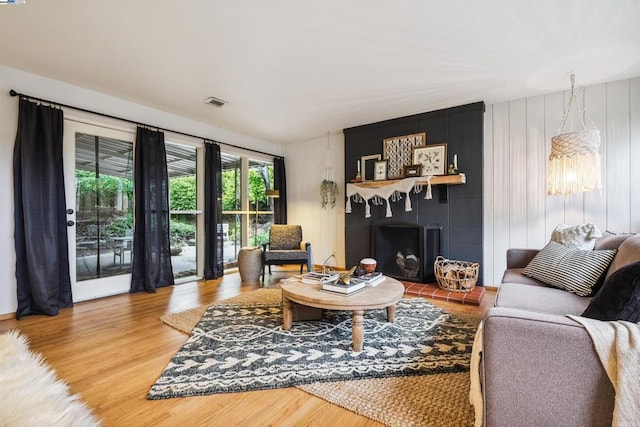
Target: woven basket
456 276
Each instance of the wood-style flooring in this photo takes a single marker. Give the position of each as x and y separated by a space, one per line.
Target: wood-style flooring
111 350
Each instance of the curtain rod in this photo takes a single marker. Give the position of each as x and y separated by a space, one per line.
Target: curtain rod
22 95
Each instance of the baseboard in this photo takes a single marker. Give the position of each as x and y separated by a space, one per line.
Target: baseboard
7 316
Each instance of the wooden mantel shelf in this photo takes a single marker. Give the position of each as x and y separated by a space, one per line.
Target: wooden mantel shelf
435 180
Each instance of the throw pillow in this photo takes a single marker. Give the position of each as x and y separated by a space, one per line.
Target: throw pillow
581 236
570 269
619 297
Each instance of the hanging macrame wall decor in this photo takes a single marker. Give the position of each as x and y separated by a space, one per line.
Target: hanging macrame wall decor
329 187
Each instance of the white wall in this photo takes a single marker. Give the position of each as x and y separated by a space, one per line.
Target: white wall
41 87
517 142
305 165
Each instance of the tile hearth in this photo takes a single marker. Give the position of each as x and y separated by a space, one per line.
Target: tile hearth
432 290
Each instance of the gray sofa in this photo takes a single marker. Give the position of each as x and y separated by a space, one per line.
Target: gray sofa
539 367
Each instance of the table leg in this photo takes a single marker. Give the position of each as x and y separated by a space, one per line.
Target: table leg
391 313
287 313
358 330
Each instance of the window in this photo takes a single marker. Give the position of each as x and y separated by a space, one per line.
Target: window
184 212
247 212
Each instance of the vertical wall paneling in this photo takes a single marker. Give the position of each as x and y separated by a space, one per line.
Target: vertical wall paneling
536 160
595 202
501 183
517 179
488 194
614 108
617 165
553 109
634 152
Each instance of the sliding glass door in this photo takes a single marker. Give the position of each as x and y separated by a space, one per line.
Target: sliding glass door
99 193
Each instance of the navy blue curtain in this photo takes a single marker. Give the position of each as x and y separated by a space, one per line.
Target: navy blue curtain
213 236
280 184
151 246
40 222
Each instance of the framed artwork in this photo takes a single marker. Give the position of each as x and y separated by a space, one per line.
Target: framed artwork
431 158
367 165
380 170
398 150
412 171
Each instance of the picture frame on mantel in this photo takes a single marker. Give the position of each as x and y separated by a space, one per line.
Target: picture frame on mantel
380 170
366 162
432 159
412 171
398 151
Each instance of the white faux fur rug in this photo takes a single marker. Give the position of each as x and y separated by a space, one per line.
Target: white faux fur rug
30 393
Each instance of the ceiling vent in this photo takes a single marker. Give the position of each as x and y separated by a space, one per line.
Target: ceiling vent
215 101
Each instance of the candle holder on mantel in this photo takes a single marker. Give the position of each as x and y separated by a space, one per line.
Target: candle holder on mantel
453 167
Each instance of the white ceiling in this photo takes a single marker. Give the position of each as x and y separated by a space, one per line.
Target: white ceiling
292 70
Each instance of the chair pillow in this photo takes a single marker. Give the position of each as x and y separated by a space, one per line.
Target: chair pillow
619 297
570 269
581 236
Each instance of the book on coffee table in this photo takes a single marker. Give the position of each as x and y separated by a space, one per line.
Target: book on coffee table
342 288
313 278
369 279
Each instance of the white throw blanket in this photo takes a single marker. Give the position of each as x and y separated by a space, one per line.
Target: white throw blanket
475 392
618 347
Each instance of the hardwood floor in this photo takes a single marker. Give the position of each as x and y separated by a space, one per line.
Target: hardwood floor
111 350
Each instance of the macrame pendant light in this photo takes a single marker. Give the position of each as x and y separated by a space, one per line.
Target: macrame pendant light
574 162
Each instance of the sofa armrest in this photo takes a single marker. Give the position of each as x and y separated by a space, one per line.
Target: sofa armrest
519 258
542 369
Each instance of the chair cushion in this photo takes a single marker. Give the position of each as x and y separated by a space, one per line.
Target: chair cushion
285 237
292 256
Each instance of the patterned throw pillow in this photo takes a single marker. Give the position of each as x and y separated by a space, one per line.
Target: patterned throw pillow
619 297
581 236
570 269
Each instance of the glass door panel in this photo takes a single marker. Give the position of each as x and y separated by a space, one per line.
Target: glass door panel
98 180
183 202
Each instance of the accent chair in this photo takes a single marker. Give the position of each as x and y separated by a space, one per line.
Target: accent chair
286 246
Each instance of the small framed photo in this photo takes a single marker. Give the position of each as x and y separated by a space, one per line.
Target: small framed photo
431 158
380 170
411 171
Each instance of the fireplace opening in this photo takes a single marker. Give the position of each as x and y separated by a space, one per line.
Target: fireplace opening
406 251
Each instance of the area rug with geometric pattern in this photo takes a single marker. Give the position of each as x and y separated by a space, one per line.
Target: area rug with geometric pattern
241 347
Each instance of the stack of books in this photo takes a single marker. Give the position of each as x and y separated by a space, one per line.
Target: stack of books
313 278
342 288
370 279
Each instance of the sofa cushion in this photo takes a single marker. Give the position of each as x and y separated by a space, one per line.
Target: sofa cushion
541 299
573 270
628 253
610 240
582 236
514 275
619 298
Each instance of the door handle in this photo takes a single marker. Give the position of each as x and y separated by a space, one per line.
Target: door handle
70 223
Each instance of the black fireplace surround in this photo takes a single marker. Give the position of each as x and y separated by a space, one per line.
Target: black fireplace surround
458 209
405 250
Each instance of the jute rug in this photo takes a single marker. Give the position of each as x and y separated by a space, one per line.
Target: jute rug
30 393
434 400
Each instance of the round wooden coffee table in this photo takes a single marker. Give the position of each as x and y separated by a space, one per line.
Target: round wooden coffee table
384 295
